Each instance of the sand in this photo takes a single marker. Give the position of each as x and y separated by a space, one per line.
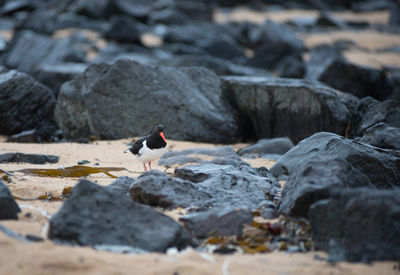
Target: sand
17 257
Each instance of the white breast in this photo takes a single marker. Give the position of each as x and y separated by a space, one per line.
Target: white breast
147 154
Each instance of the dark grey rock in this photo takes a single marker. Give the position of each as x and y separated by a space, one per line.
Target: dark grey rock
268 146
25 105
121 185
382 135
53 76
395 14
29 158
28 136
275 107
217 222
387 111
9 209
185 100
30 51
124 29
272 43
95 215
330 67
326 161
94 9
11 7
207 185
47 21
358 225
217 65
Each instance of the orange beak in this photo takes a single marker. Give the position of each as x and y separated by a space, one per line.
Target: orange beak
162 135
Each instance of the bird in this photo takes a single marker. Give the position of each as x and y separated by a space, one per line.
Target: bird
150 147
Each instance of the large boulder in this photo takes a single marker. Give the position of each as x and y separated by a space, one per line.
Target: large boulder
25 104
358 225
325 162
330 67
187 101
207 185
276 107
9 209
95 215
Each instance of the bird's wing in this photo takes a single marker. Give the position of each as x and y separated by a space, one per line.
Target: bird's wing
137 145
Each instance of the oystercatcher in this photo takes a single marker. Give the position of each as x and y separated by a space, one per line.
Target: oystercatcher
150 147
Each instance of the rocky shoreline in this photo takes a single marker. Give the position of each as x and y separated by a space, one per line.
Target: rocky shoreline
279 142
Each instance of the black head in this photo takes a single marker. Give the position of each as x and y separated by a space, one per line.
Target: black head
159 129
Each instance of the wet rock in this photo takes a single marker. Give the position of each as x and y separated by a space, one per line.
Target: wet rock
383 136
9 209
25 105
387 111
28 136
275 107
266 146
325 162
217 222
358 225
331 68
185 100
94 215
207 185
28 158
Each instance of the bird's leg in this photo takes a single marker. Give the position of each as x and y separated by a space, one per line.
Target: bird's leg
145 168
150 164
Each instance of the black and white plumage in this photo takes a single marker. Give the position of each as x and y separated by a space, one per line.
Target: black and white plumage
150 147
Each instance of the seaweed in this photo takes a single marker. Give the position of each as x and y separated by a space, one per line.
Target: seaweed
75 171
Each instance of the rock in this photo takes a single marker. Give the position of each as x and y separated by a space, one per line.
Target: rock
25 105
124 29
271 43
94 215
387 111
168 17
30 51
382 135
325 162
138 9
9 209
53 76
362 224
29 158
196 32
28 136
207 185
47 21
185 100
93 9
217 65
268 146
275 107
330 67
222 46
121 185
395 14
11 7
217 222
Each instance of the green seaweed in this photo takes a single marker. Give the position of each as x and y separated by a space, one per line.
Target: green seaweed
72 171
